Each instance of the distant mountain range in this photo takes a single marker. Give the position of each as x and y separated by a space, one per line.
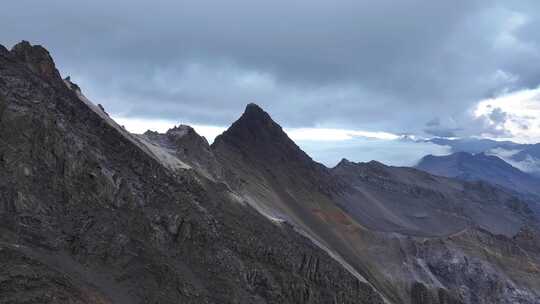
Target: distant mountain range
488 168
476 145
90 213
525 157
481 167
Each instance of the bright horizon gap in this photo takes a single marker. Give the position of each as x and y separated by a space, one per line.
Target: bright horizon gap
519 115
141 125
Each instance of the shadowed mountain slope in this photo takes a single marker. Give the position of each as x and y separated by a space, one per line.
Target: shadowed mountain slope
355 210
410 201
92 214
488 168
525 157
480 166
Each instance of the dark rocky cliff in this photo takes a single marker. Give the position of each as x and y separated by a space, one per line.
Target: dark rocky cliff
89 215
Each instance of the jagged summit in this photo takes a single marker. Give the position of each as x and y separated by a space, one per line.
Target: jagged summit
37 58
257 134
177 136
174 132
255 125
343 163
180 131
151 133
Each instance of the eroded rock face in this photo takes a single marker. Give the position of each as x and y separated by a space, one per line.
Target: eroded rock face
37 58
420 294
89 216
184 143
26 280
478 267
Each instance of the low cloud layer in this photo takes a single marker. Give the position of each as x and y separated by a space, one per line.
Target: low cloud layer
362 149
394 66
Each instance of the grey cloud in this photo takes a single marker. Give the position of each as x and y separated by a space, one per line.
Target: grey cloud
442 127
498 116
441 132
376 65
435 122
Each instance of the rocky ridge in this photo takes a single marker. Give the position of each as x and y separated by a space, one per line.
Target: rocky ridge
91 214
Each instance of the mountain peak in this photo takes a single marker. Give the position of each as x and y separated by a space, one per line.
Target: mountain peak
253 107
37 58
343 163
254 126
257 134
255 113
180 131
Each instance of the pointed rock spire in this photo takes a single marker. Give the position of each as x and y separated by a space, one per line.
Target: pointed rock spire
254 112
254 126
257 135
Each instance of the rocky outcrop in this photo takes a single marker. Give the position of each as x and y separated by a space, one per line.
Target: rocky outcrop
89 214
258 141
37 59
184 143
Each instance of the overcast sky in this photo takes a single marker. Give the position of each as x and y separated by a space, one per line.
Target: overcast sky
415 67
